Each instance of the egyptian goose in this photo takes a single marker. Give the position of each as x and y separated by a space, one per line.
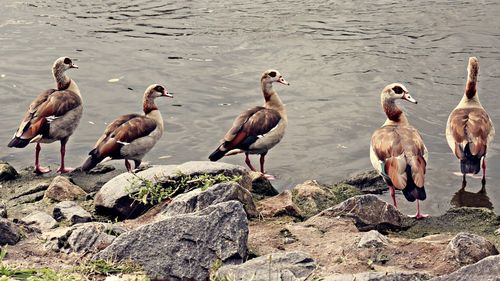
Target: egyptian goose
397 150
52 116
131 136
258 129
469 129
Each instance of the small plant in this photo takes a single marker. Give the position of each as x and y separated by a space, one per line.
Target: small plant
106 268
153 192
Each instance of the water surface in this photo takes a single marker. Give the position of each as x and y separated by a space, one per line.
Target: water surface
337 55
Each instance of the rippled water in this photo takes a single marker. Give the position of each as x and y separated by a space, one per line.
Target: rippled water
337 55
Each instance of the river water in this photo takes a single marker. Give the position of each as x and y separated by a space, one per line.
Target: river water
337 55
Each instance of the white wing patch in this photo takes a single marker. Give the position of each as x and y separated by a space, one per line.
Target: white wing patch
50 119
261 136
122 142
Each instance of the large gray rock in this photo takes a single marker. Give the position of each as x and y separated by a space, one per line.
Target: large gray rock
7 172
71 211
368 212
372 239
285 266
198 199
379 276
184 247
42 219
82 238
467 248
113 198
9 232
487 269
62 189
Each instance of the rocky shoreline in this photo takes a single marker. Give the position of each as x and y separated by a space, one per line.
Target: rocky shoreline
216 221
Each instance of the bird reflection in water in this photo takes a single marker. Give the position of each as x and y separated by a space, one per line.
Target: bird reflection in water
464 198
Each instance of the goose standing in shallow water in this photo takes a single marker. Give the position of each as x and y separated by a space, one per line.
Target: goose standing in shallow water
131 136
397 150
52 116
469 129
258 129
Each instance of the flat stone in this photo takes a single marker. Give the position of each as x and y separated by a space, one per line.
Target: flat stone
42 219
487 269
7 172
71 211
184 247
198 199
279 205
368 212
62 189
83 238
373 239
467 248
281 266
368 182
379 276
9 232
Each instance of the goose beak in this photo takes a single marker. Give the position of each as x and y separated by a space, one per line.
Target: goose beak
406 96
74 66
283 81
167 94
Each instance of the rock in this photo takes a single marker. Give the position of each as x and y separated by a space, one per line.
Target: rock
466 248
281 266
480 221
497 232
312 197
368 182
3 210
61 189
42 219
373 239
379 276
83 238
198 199
113 198
261 186
184 247
7 172
368 212
71 211
279 205
487 269
9 232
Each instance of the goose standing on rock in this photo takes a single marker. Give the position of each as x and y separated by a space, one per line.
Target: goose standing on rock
397 150
258 129
469 129
52 116
131 136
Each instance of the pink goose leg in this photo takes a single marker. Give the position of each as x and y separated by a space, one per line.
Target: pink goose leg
249 164
63 169
393 196
262 170
483 181
39 169
419 215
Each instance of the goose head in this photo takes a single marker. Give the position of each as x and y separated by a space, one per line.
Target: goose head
62 64
396 91
155 91
270 76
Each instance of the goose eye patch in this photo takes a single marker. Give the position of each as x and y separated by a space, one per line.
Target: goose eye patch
159 88
272 73
67 61
398 90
